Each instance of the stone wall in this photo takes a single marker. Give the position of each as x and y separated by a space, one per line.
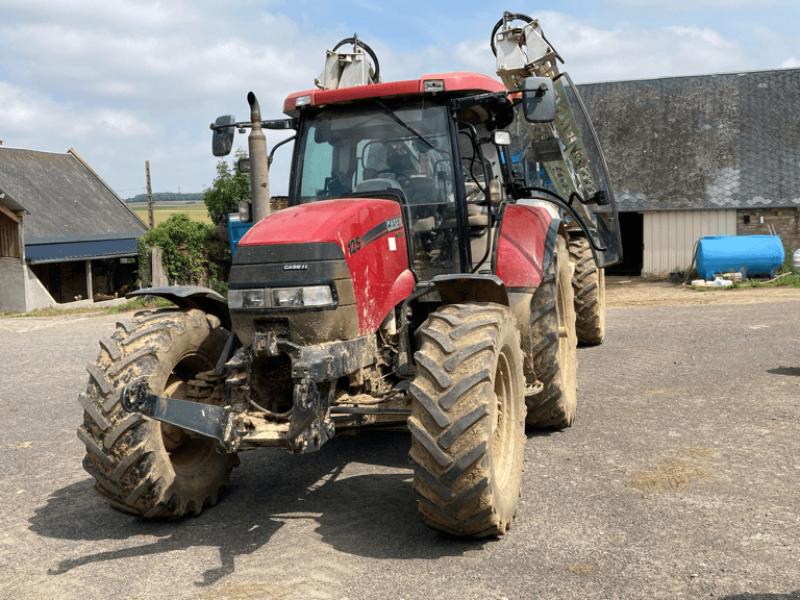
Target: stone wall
12 286
786 222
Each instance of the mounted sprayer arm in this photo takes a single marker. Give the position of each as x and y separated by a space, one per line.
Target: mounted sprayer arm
527 63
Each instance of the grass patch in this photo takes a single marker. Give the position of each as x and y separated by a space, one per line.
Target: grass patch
162 213
788 280
99 311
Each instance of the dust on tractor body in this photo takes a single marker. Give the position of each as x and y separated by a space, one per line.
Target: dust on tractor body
420 277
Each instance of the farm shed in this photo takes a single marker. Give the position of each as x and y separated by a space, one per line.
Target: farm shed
699 155
77 238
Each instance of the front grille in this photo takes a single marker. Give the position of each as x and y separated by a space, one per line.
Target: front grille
277 326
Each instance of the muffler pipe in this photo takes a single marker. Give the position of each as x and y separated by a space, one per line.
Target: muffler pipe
259 166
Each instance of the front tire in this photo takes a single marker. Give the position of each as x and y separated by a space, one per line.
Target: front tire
467 421
141 466
553 346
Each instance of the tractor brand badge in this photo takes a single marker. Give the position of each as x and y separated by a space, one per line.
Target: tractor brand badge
295 267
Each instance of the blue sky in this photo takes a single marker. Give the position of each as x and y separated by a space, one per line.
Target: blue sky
126 82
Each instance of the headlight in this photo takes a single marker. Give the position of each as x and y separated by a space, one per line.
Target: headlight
316 295
247 299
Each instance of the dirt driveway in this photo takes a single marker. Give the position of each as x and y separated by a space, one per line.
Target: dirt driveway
628 292
680 479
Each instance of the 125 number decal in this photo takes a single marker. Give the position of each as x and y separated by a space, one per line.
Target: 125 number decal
354 245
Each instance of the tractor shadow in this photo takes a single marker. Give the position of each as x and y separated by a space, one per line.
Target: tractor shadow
791 371
357 489
790 596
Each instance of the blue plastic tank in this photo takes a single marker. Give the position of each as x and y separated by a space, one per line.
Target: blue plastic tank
750 254
236 230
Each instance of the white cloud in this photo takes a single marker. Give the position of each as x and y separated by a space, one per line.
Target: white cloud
625 52
128 13
790 63
682 5
24 114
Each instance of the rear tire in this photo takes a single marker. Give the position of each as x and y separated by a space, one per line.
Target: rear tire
554 346
141 466
589 287
467 421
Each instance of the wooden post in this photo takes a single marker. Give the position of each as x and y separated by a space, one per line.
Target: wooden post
150 219
89 291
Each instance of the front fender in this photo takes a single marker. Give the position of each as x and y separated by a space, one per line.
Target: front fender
191 296
470 287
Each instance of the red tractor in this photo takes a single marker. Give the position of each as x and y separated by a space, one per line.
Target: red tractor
420 277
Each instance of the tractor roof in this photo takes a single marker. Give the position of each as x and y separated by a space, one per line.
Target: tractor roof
461 83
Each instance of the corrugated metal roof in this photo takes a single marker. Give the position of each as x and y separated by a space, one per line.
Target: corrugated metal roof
711 141
65 199
47 253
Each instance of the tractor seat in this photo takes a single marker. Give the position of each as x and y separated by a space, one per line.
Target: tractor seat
478 217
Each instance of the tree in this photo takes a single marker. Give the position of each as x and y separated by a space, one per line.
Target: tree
228 189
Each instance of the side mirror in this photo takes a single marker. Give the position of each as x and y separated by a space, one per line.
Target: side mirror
222 141
538 100
244 211
501 138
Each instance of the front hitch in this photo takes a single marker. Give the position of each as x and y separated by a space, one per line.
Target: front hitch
206 420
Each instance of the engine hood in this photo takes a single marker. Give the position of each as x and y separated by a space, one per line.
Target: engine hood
337 221
371 235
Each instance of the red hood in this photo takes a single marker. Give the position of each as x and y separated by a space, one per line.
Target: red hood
371 235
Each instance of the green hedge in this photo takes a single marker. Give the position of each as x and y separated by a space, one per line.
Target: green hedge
192 253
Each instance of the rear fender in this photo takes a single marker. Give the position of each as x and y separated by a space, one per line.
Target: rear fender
525 246
191 296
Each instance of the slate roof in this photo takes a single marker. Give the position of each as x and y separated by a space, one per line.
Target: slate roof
66 201
9 202
722 141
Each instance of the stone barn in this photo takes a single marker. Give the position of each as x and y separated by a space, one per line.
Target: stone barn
699 155
76 239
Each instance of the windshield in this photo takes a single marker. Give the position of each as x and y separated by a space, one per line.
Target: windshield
400 151
346 150
565 157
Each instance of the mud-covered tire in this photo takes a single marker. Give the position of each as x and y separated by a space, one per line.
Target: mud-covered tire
126 453
589 288
553 346
467 422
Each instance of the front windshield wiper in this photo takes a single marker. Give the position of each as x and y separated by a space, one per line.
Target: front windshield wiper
400 122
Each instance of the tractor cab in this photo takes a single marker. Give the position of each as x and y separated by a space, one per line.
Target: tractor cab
415 150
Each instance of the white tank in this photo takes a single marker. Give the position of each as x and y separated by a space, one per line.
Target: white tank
796 259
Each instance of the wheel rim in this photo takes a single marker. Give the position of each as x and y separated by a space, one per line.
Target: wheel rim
187 453
502 435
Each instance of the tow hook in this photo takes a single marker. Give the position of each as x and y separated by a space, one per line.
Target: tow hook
203 419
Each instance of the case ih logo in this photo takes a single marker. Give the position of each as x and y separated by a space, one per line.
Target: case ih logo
295 267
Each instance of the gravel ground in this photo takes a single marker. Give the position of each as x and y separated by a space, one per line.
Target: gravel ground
680 479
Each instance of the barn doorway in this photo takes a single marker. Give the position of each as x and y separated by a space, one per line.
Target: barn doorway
631 227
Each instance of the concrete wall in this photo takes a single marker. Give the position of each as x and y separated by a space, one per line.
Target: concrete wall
12 286
20 290
786 222
37 296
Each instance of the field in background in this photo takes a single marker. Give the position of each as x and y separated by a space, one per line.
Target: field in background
162 211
